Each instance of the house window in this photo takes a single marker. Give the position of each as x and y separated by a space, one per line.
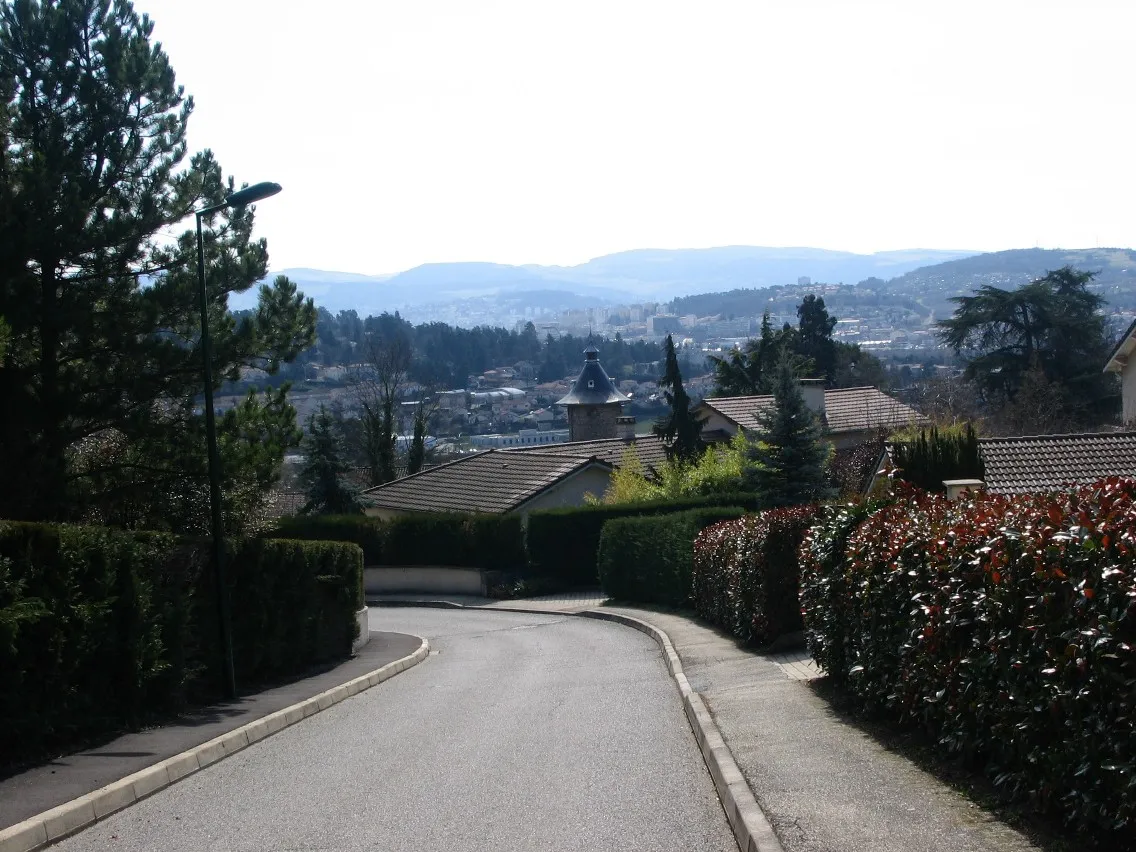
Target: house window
591 383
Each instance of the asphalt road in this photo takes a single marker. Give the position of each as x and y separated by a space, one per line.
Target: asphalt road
523 732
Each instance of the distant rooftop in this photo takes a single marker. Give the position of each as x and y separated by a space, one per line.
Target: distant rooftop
650 449
594 386
494 481
845 410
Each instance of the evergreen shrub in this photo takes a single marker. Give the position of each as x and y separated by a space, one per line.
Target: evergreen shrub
363 530
490 542
563 544
1004 626
647 559
746 576
102 629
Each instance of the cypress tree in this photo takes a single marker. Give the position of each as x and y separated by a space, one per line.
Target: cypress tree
679 429
416 456
322 474
789 452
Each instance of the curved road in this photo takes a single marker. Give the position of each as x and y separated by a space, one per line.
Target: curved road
522 732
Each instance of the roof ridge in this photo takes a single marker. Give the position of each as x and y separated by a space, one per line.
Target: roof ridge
1061 435
573 456
436 467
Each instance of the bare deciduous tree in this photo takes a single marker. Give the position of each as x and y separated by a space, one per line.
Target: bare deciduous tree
376 388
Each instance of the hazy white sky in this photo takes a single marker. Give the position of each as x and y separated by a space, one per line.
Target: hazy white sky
526 131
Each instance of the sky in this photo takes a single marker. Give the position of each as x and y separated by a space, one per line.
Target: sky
540 131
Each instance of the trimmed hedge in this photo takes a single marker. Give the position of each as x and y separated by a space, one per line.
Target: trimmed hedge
490 542
1005 626
746 577
102 629
363 530
648 559
563 544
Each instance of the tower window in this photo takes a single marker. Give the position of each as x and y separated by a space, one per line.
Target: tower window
591 383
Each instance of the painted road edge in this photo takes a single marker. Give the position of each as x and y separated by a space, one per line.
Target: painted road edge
71 817
751 828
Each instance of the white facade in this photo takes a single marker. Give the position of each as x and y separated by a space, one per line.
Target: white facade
523 438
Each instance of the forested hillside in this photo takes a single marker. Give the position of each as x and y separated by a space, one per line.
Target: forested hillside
927 291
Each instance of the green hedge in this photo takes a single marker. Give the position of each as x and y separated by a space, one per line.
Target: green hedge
103 629
363 530
647 559
491 542
746 576
1005 626
563 544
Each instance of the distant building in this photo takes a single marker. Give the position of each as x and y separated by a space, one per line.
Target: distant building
665 324
804 281
523 438
594 404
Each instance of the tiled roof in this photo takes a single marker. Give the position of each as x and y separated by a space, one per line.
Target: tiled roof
650 449
594 386
1048 462
493 481
845 410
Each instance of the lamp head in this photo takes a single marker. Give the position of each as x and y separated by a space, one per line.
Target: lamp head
249 194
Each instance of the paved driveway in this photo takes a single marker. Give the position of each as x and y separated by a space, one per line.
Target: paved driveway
523 732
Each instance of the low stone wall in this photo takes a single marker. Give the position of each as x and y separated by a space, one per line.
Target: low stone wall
426 579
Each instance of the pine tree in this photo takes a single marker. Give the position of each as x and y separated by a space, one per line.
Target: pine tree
680 429
322 474
104 322
789 453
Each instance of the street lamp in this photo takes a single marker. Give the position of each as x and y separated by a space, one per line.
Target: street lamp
238 199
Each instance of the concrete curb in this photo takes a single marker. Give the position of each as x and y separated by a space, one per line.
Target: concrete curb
751 828
71 817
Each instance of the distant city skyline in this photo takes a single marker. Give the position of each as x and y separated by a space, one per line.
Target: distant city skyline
514 132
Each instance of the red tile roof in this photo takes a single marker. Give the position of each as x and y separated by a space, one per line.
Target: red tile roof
494 481
845 410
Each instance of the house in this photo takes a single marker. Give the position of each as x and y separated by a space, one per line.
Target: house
1120 362
494 482
850 416
650 449
1049 462
1040 463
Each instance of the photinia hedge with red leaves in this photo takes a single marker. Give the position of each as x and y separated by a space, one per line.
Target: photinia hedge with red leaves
1004 626
745 574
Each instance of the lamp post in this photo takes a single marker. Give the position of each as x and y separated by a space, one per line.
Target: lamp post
237 199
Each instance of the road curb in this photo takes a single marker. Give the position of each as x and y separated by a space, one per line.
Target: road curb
751 828
71 817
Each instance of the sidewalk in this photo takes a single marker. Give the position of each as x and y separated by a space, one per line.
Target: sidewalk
823 784
43 787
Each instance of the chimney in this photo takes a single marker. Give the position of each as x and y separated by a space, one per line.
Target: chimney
957 487
813 392
625 427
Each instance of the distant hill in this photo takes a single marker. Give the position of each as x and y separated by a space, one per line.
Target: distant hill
630 276
665 273
927 290
933 286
